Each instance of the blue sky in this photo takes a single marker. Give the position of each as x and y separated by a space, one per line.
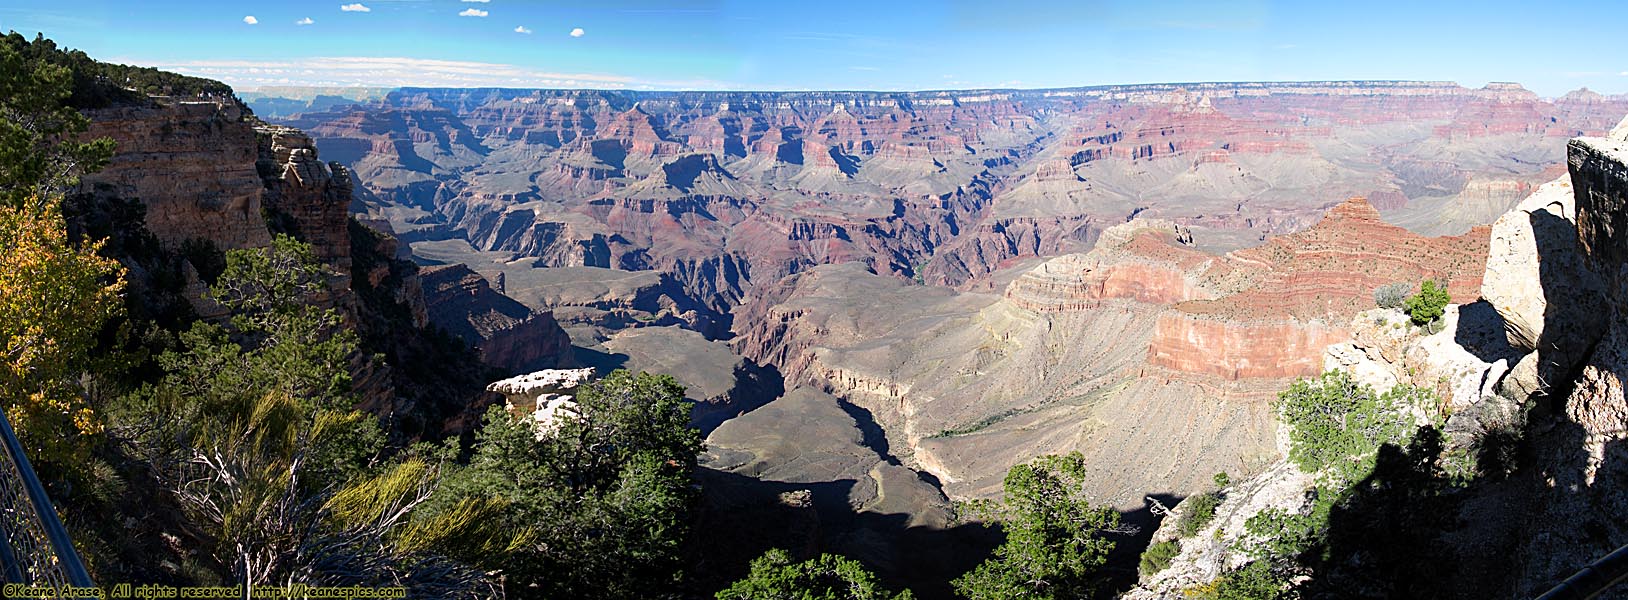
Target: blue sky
1551 47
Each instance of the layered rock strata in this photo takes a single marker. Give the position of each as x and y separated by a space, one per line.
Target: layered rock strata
507 334
1141 343
724 192
191 164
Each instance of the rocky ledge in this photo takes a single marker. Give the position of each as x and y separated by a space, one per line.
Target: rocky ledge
191 164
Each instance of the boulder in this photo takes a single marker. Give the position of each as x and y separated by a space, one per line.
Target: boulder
1536 280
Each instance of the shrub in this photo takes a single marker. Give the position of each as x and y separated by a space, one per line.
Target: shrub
1157 557
1255 581
1200 511
613 485
1055 546
54 298
1280 534
829 576
1222 480
1427 305
1391 295
1337 422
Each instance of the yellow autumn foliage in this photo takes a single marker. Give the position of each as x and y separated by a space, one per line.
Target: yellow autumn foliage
54 298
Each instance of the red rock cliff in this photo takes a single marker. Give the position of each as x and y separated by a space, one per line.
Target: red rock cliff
1296 290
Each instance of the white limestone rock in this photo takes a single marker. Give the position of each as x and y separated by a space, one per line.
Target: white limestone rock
541 395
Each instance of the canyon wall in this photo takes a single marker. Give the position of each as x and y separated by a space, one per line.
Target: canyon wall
207 176
507 334
1239 350
1291 297
1143 343
191 165
722 192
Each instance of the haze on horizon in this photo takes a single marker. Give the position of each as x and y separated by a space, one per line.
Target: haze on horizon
842 44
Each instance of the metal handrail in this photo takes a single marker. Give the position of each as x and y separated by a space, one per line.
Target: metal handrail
1594 579
23 525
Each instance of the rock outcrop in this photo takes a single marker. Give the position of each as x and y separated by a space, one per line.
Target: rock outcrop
1213 550
1543 360
1583 458
1551 303
191 164
507 334
309 197
544 396
203 176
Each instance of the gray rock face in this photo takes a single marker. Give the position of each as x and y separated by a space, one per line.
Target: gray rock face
1581 454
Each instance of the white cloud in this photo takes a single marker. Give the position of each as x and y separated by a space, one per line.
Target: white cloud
356 71
1623 74
305 21
577 32
473 12
251 20
480 1
520 28
357 7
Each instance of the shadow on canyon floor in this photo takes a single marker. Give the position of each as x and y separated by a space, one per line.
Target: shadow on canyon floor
602 362
742 517
872 435
755 387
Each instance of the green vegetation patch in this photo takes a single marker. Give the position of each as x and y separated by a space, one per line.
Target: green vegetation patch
1429 304
1337 423
1157 557
1055 539
1258 580
827 577
1198 512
